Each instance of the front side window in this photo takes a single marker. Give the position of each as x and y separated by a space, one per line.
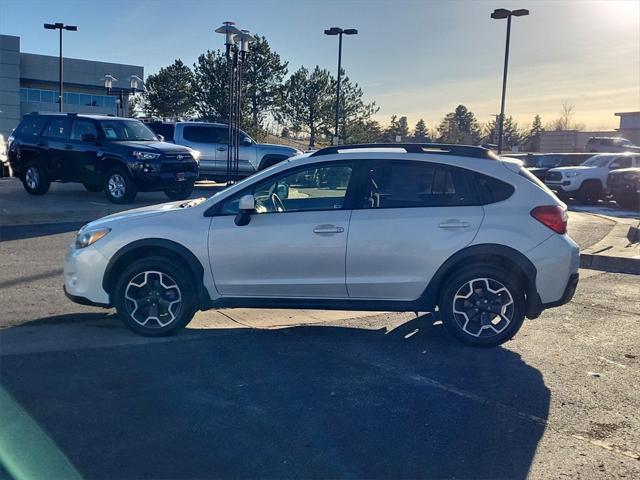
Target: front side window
598 161
83 127
199 134
313 188
58 128
127 130
623 162
415 184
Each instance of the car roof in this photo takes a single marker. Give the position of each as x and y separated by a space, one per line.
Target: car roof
80 115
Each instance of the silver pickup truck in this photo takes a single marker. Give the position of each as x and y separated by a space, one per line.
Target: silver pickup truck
210 139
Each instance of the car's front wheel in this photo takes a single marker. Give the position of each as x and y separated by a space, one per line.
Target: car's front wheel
119 187
482 306
179 193
155 296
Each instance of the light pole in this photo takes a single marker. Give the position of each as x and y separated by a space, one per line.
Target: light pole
340 32
498 14
123 93
60 26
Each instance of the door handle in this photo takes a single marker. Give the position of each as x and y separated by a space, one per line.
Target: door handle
68 147
454 224
221 149
327 229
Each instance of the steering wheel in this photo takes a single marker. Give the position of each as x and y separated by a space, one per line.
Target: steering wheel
277 203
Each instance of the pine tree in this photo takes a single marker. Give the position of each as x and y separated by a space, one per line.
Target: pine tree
459 127
169 93
533 136
420 132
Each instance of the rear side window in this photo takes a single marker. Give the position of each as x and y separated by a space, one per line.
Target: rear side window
200 134
415 184
492 190
58 127
83 127
31 125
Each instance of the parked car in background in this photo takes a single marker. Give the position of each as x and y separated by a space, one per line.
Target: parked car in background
118 155
540 163
346 227
587 181
624 187
610 144
211 140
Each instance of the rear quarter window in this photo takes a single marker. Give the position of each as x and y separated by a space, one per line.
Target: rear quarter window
492 190
31 125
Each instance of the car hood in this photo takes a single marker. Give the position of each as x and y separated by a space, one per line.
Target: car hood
160 147
279 148
137 214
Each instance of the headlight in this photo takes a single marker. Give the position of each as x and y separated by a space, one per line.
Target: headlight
89 237
571 174
631 176
145 155
195 154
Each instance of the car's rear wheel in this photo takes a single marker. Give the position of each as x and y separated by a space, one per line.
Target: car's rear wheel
482 306
35 179
180 193
119 187
155 296
590 192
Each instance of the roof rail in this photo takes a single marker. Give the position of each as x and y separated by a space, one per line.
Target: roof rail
73 114
434 148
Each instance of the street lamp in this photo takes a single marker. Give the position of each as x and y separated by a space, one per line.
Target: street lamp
340 32
123 93
499 14
61 27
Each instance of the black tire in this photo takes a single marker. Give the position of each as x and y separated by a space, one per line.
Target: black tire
270 160
590 192
35 178
139 314
123 188
179 193
628 202
474 329
92 187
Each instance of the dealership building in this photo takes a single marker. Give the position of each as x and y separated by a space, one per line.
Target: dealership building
29 83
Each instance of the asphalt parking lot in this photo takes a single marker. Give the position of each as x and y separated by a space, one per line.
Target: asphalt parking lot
248 393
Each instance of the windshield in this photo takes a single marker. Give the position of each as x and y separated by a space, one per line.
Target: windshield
127 130
598 161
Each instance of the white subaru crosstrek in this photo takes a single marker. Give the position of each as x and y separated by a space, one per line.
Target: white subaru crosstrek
399 227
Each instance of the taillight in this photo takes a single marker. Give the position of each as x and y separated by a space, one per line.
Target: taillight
552 216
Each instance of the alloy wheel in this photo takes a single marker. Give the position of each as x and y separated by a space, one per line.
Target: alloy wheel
483 307
153 299
32 177
116 185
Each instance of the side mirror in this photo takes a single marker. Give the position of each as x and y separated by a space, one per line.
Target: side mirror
160 137
247 141
89 137
614 165
246 206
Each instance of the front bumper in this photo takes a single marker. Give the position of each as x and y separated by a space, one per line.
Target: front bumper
563 186
624 189
83 272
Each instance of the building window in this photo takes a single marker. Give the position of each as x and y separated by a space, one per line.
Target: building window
34 95
85 99
71 98
24 95
97 100
110 102
48 96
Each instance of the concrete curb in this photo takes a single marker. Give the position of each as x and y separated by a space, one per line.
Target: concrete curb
618 252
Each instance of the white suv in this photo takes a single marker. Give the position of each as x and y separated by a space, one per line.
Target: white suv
587 181
399 227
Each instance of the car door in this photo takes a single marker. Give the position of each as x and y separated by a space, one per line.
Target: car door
295 243
84 154
408 219
246 151
202 138
56 140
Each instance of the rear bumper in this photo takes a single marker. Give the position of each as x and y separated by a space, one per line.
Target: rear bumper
569 291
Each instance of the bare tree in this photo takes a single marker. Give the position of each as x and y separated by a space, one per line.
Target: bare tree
565 121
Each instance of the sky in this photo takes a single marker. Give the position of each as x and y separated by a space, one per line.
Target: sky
418 58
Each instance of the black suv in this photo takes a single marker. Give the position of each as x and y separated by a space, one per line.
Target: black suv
118 155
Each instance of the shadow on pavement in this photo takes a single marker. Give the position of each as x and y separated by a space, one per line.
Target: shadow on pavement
22 232
303 402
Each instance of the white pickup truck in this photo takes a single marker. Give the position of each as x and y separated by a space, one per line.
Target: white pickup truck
587 182
211 140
